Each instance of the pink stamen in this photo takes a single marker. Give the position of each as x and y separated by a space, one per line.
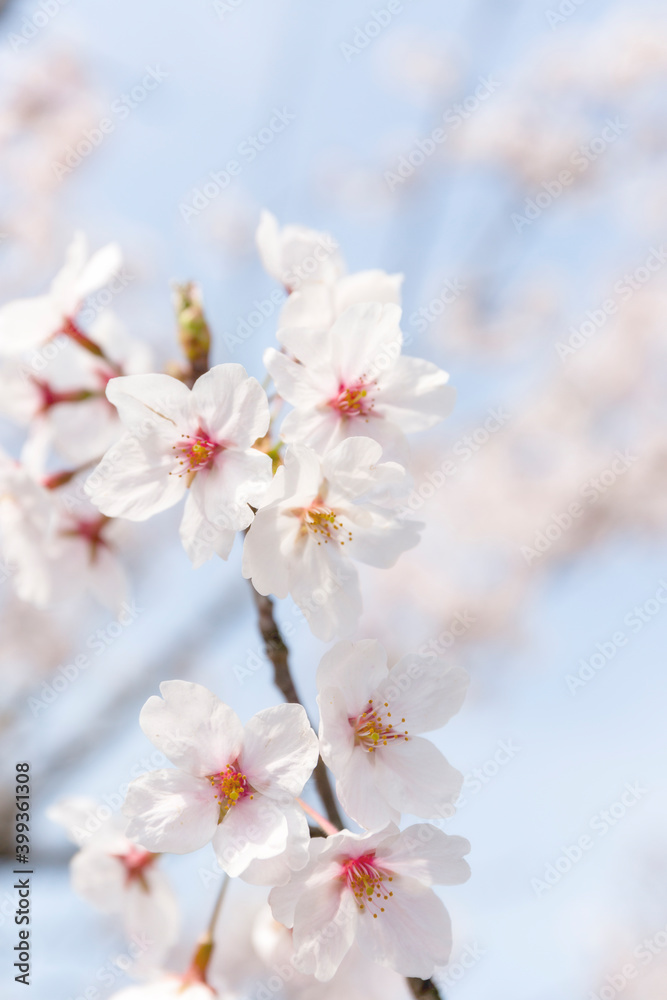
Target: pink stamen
367 882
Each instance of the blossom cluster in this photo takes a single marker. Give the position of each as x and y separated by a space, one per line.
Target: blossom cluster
312 493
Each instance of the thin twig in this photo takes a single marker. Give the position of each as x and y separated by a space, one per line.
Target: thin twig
278 654
424 988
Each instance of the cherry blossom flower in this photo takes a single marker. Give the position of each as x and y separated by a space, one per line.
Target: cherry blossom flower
311 268
114 875
233 786
27 323
374 889
317 516
182 441
369 720
352 380
63 396
56 544
295 254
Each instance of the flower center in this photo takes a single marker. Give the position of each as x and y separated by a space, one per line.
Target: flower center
136 860
91 531
367 882
195 453
323 522
230 786
354 400
373 727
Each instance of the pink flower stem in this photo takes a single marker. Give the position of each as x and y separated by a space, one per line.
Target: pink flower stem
72 330
323 823
202 956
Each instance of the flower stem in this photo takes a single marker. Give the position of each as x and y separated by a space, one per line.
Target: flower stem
72 330
202 956
424 989
323 823
278 654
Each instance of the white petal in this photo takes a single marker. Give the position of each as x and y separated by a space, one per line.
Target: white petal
27 323
325 924
200 537
366 341
279 751
151 915
367 286
426 692
262 562
359 794
99 270
253 828
236 479
192 727
171 811
311 307
134 483
415 777
232 407
425 853
413 935
415 395
325 586
99 879
356 668
152 405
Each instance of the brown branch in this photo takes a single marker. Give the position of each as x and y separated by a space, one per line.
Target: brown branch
424 988
278 654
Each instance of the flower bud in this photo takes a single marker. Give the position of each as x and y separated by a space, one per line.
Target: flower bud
193 330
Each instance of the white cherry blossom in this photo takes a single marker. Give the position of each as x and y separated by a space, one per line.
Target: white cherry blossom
56 544
318 515
63 397
233 786
29 322
116 876
353 380
375 889
311 268
180 441
370 718
294 254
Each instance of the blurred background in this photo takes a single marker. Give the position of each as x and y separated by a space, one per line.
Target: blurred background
530 238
